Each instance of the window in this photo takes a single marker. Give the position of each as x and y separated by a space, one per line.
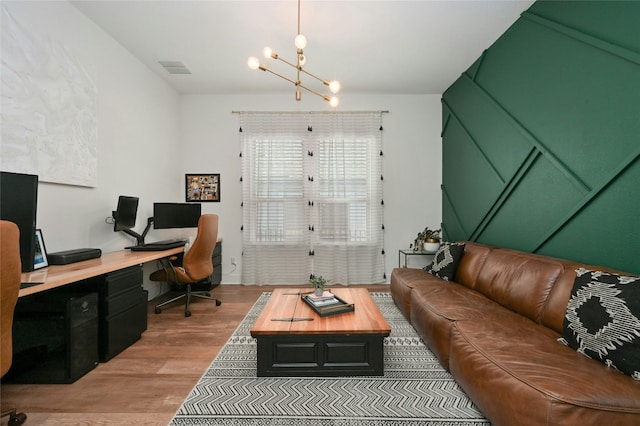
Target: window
277 190
312 197
344 180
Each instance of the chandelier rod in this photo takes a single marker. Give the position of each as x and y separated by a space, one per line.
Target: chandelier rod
299 68
325 97
325 82
263 68
279 58
298 16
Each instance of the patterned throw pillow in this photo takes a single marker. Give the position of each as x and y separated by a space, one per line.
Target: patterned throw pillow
603 319
445 261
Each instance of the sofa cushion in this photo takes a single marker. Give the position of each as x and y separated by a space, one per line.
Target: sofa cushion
603 319
519 281
404 280
509 368
469 267
445 261
434 309
555 307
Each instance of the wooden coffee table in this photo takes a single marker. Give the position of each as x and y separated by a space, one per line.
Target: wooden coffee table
345 344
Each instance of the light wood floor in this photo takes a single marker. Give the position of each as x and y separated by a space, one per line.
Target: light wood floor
145 384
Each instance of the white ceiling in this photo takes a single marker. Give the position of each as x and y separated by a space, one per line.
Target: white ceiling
373 47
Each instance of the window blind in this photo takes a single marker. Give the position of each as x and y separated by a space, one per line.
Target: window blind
312 197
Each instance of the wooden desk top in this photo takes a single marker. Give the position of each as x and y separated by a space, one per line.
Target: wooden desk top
58 275
287 303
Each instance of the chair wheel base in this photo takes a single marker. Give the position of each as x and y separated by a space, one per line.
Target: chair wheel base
17 419
188 295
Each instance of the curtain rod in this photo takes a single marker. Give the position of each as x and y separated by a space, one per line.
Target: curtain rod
309 112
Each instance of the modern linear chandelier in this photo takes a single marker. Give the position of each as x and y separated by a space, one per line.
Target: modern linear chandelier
300 43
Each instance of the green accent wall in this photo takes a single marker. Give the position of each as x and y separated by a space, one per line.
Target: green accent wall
541 137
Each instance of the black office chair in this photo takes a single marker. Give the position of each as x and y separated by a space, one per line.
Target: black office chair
10 269
197 266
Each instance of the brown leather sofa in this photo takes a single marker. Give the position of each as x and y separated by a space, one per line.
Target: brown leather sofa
495 328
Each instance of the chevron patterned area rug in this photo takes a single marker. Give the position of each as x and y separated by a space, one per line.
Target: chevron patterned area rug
415 389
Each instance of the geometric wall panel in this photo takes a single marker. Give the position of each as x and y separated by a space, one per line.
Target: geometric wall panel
525 217
615 215
500 141
541 137
471 182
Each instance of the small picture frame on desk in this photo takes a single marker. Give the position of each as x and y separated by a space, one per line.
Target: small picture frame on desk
203 187
40 252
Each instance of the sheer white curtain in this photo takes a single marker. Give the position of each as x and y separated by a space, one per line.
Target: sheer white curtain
312 197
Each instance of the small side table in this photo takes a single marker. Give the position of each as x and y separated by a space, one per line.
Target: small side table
410 252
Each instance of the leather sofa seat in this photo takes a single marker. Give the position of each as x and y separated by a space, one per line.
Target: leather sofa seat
434 311
521 367
495 328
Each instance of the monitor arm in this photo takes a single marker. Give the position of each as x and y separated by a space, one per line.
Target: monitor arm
139 238
146 229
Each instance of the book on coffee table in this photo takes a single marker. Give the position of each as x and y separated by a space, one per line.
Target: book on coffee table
326 305
317 297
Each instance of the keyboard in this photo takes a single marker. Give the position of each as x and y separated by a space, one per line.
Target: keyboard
159 245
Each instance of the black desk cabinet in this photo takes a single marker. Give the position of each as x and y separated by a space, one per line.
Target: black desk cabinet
123 311
216 278
61 334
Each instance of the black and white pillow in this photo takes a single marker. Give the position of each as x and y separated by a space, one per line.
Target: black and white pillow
603 319
445 261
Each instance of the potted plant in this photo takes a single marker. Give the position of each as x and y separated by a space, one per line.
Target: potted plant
428 240
318 283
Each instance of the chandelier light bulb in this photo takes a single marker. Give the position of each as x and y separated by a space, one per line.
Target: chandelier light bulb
253 63
334 86
267 52
300 41
334 101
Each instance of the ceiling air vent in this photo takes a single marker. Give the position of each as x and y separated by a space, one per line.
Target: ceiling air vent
175 67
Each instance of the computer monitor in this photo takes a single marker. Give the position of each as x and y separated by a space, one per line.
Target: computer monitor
125 214
176 215
18 204
124 218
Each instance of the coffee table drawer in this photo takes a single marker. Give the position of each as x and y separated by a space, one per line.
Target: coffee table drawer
320 355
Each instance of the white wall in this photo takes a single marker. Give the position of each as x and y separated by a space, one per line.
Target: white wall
138 130
149 137
412 160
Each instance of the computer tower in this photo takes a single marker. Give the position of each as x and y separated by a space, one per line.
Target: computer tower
55 338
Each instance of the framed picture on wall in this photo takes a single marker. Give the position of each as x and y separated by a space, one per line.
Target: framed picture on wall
40 257
202 187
